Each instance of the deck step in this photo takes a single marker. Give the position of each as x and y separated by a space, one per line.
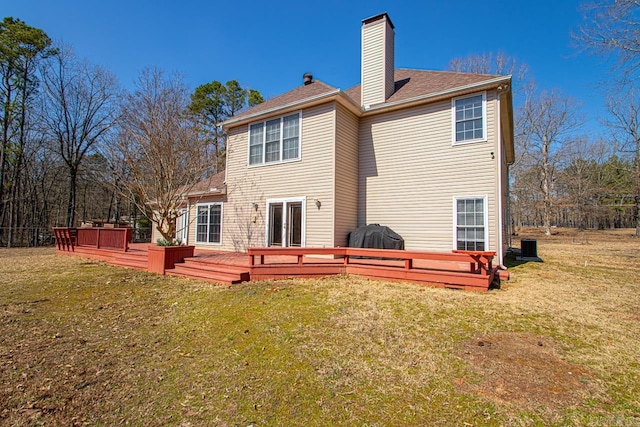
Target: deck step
131 259
130 255
129 263
200 264
213 260
230 277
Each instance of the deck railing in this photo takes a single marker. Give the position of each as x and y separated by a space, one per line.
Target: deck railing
96 237
479 262
465 269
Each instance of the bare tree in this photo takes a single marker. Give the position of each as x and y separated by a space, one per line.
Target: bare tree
79 110
160 154
547 119
612 29
490 63
624 109
578 183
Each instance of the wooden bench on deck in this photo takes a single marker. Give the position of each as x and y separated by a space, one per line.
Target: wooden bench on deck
66 238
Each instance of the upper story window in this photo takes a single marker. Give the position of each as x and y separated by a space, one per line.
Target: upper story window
469 119
275 141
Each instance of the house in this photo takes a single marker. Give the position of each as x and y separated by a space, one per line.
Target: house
426 153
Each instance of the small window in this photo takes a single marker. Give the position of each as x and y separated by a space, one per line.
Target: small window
209 223
471 224
274 141
469 119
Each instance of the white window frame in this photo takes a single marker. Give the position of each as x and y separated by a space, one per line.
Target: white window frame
182 226
264 136
484 119
486 219
208 205
285 203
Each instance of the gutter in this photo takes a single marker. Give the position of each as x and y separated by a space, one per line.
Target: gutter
358 110
211 192
433 96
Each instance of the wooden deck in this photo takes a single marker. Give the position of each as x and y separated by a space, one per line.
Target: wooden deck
457 270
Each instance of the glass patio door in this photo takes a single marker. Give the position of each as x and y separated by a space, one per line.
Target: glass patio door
276 222
294 224
286 223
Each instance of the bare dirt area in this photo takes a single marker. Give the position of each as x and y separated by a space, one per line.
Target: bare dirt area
82 343
525 370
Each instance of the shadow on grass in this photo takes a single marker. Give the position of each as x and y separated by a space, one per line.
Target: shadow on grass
513 259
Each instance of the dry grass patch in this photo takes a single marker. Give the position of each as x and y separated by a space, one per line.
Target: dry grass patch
84 343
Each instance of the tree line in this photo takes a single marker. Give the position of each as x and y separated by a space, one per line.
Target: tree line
563 177
74 141
75 146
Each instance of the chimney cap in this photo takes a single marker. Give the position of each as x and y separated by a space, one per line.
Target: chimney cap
377 18
307 78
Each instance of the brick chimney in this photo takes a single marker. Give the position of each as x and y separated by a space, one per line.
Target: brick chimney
377 60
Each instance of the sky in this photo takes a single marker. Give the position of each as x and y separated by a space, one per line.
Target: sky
268 46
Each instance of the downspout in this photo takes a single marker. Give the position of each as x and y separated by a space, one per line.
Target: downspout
500 213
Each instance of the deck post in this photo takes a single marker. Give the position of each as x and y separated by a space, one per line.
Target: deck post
408 264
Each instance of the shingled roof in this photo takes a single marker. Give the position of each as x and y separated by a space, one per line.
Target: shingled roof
212 185
300 93
409 84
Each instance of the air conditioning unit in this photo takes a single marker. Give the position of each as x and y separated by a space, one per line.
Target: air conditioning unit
529 248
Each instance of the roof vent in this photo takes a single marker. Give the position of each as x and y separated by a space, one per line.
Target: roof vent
307 78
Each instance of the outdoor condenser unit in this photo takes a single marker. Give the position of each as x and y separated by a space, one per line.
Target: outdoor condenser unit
529 248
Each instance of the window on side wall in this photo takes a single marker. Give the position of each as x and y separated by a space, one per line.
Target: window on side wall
471 224
274 141
209 223
469 119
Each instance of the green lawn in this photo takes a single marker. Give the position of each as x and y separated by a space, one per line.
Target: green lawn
86 343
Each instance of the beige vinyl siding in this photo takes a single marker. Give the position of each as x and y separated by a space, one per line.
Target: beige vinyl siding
410 172
346 176
373 62
155 234
310 177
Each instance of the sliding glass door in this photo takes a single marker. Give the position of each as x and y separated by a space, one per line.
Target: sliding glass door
285 226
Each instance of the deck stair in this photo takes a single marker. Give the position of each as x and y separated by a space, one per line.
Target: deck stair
206 269
132 259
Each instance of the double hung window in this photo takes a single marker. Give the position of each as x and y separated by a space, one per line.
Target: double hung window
275 141
471 227
469 119
209 223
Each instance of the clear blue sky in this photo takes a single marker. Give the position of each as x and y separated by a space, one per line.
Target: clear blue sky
269 45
